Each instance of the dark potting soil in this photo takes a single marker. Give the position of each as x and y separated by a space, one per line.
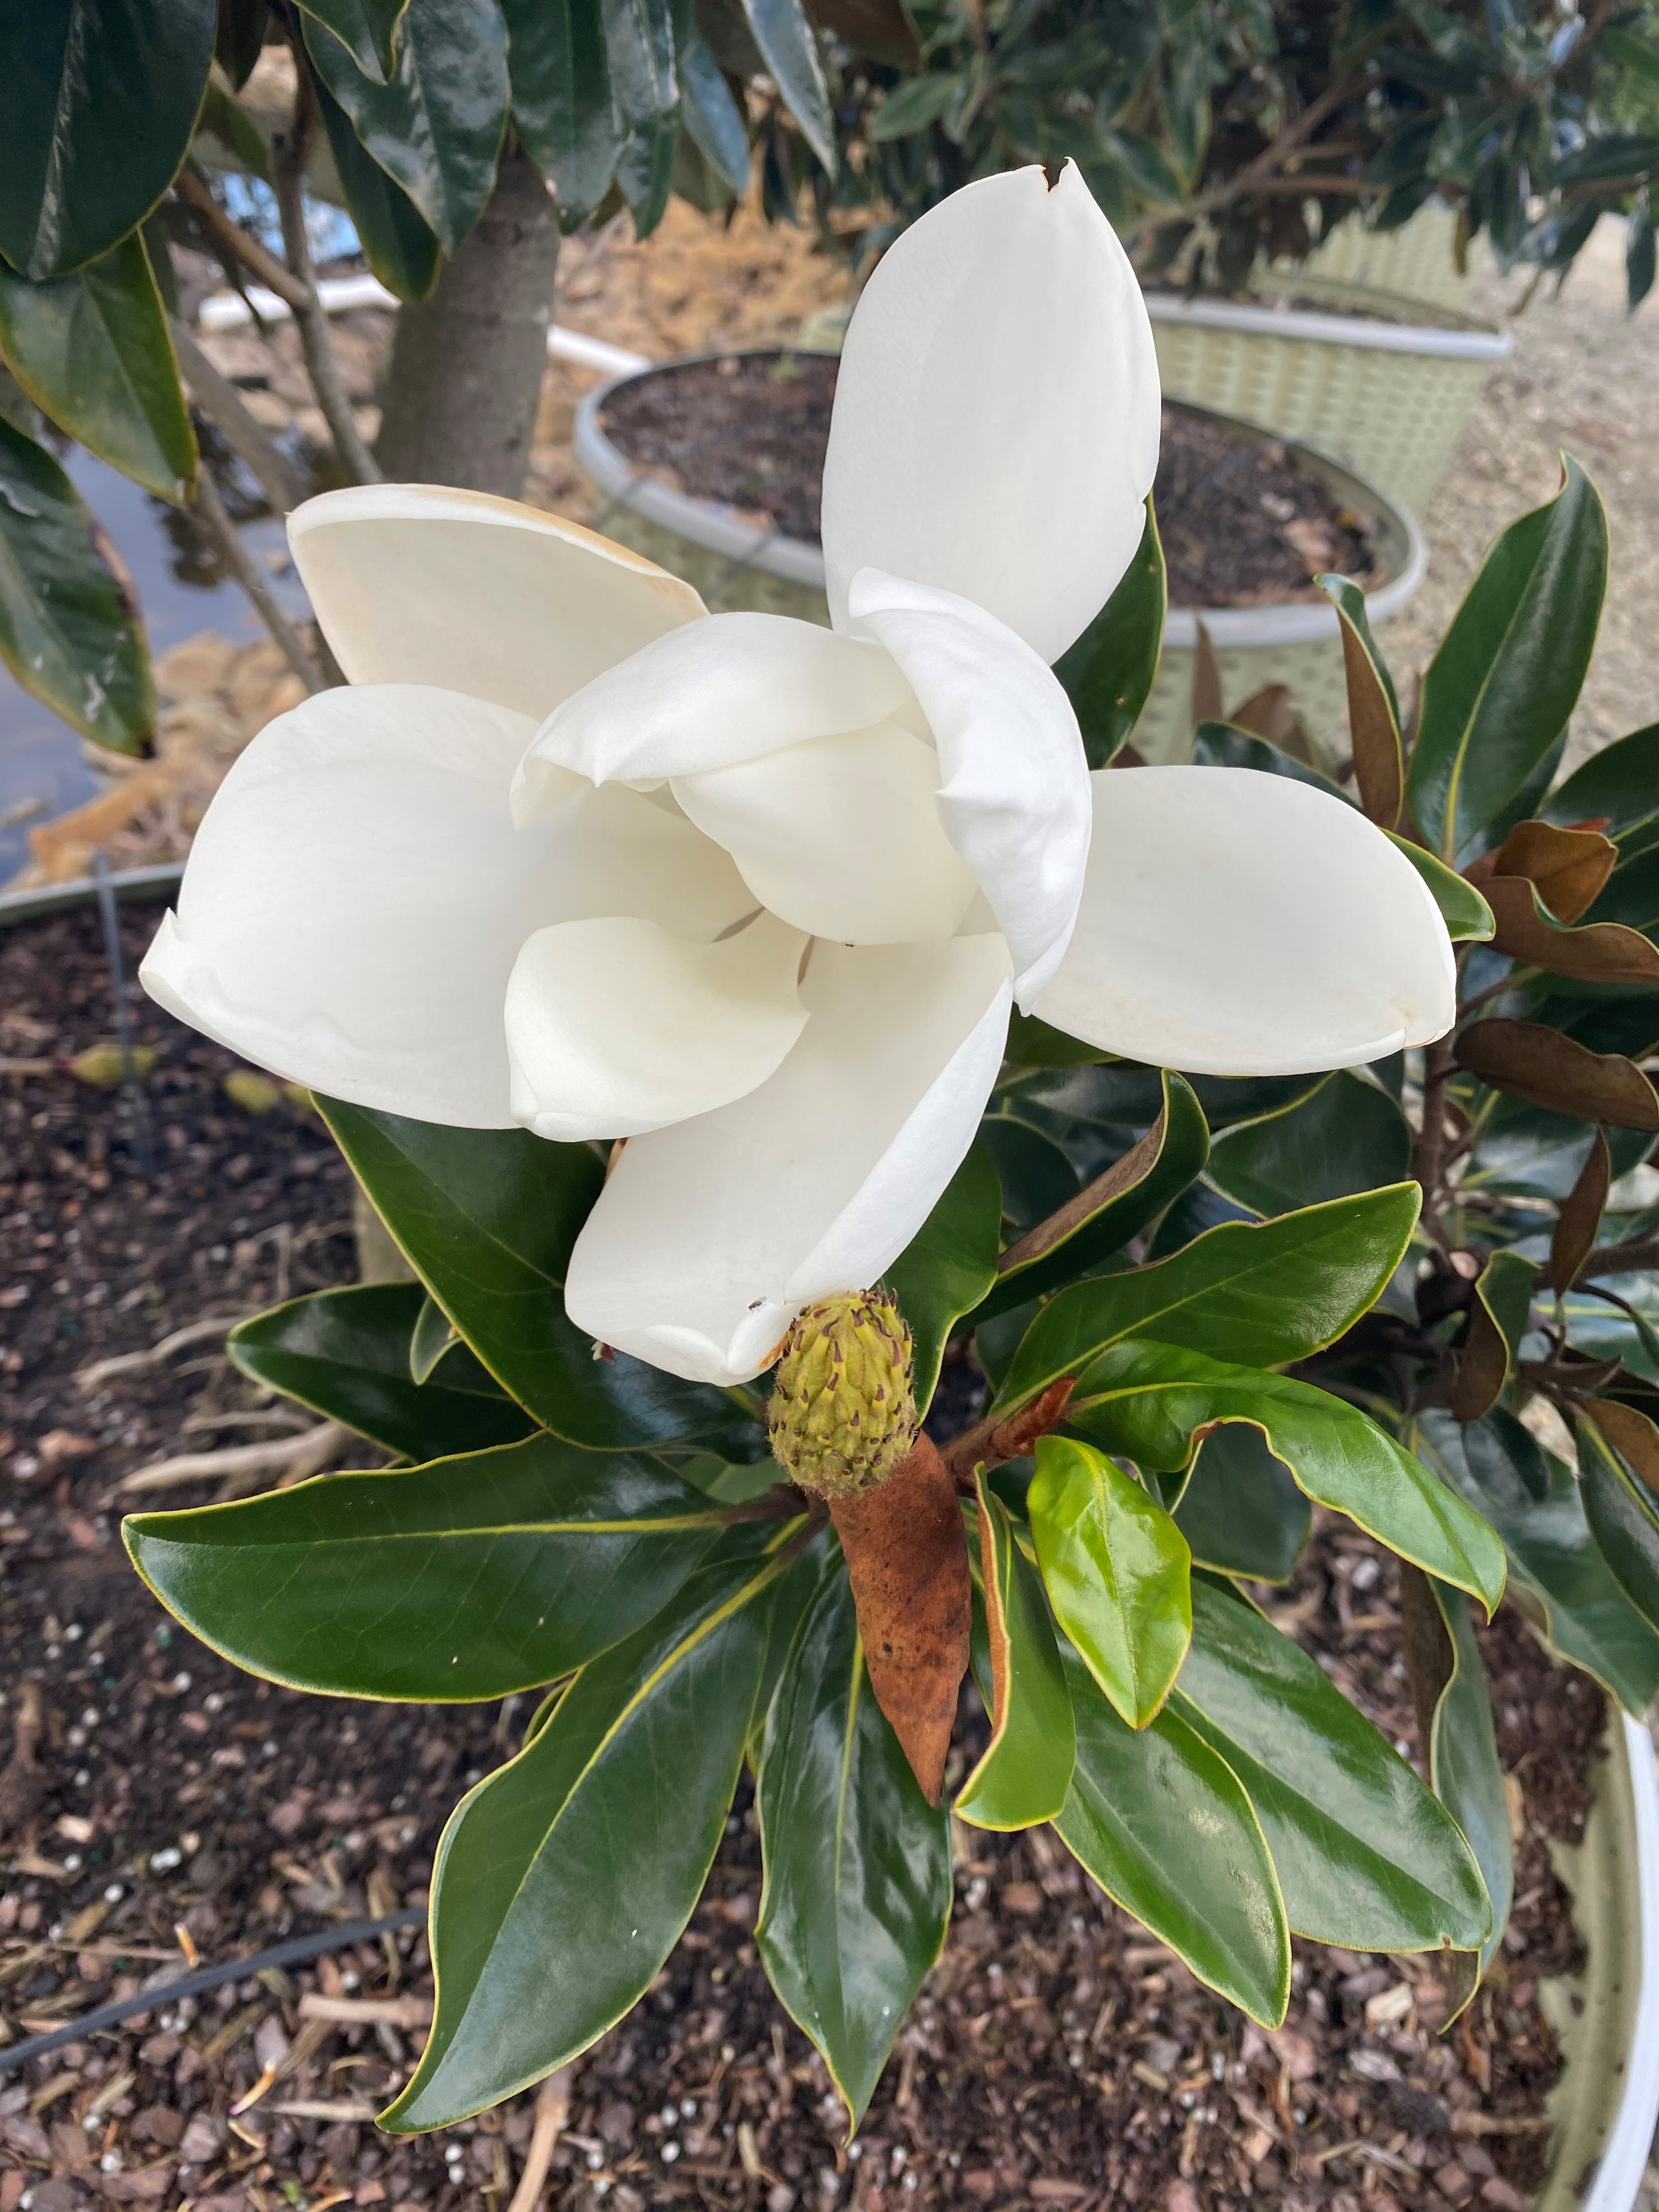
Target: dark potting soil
1243 522
1059 2056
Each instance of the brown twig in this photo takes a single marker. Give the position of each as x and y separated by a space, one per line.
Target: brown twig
1626 1259
552 2111
993 1440
237 242
289 152
1430 1162
252 443
210 510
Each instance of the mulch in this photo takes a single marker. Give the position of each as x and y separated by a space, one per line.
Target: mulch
1243 522
1059 2056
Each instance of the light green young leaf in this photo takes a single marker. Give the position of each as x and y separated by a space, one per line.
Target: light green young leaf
1118 1572
1023 1776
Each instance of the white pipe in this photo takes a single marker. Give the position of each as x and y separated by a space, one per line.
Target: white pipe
229 311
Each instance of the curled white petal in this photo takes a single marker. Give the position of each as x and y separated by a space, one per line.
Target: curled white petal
618 1025
840 835
997 412
1014 778
414 584
1239 924
356 895
711 1236
717 691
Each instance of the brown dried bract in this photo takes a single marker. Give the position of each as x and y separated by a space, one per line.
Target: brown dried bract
907 1560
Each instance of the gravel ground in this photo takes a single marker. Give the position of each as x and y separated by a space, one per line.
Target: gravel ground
1584 375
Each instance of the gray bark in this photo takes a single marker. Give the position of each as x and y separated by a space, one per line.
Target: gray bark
466 368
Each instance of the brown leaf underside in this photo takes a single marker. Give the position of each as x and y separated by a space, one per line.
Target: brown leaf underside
1580 1218
1547 1069
907 1560
1599 952
1570 867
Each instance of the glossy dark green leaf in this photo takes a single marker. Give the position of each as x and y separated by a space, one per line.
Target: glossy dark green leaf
1108 671
98 99
1260 1294
1117 1572
1463 1764
645 170
1373 709
1036 1176
348 1354
949 1264
1465 913
784 34
1499 690
487 1217
562 103
92 349
640 43
711 115
1640 256
239 37
396 244
1587 1617
433 1335
436 126
914 104
1125 1094
1345 1138
1241 1509
1222 744
1621 1514
1101 1218
368 29
1618 785
1365 1855
1032 1043
1152 1401
468 1578
67 631
562 1881
1023 1774
858 1887
1164 1824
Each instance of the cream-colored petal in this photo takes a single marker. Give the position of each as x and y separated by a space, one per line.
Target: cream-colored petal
840 835
711 1236
718 692
415 584
618 1026
1239 924
1014 796
356 895
997 413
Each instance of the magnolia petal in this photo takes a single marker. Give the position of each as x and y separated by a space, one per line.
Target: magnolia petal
711 1236
1239 924
617 1026
356 895
1014 796
717 691
840 835
997 412
413 584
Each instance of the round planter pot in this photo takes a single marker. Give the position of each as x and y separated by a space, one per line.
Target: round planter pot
719 550
1606 2020
1388 398
737 566
1298 644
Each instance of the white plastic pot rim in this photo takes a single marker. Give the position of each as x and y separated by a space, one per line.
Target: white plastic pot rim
1624 2160
722 530
1300 323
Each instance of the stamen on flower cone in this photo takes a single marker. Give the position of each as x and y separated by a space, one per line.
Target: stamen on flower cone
842 1415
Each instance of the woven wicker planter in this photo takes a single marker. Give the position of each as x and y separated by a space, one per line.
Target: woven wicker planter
1389 398
1412 263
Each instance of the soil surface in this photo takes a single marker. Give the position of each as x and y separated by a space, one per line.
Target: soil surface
1244 524
158 1804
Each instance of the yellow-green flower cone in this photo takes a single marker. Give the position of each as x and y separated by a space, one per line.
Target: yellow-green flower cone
842 1416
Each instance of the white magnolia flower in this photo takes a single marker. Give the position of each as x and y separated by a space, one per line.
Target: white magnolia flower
756 895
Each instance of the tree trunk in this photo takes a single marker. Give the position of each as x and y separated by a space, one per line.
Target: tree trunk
466 367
